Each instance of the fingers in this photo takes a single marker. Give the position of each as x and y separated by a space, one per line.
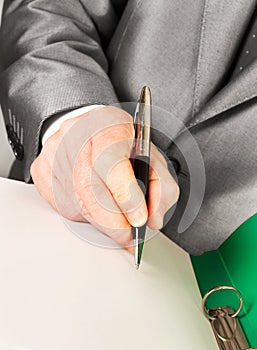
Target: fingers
52 178
111 162
97 201
163 190
94 180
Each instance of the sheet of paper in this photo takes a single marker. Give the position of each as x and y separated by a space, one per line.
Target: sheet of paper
58 292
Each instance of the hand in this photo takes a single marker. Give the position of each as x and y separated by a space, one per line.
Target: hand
85 173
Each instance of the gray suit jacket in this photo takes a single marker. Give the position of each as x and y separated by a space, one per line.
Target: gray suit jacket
63 54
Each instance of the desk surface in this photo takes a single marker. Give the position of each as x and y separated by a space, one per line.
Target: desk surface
59 292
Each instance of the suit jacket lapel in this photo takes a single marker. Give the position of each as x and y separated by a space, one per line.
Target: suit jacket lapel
224 23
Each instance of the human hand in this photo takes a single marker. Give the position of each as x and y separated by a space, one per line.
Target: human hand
84 172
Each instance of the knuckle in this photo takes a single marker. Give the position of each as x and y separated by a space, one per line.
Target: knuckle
121 194
123 120
35 167
125 129
121 113
172 193
32 169
176 191
122 131
129 130
77 217
66 124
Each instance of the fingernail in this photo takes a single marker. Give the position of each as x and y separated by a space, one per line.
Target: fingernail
138 218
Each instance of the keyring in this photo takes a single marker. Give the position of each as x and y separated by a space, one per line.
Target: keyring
223 338
216 289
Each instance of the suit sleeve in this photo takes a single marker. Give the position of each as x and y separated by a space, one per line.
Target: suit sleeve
52 60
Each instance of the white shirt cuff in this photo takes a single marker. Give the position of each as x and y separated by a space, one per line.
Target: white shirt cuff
55 126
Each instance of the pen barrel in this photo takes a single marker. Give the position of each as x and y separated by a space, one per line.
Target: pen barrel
141 171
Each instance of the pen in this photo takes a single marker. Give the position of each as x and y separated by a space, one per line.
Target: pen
141 161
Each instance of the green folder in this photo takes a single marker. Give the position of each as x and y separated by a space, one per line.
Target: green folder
234 264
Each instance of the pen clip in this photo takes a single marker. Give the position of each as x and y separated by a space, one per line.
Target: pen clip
142 124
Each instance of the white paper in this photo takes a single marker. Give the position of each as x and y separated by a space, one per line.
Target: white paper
58 292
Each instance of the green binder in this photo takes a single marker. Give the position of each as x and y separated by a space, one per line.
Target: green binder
234 264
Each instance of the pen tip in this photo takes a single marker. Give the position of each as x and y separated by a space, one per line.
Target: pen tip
137 266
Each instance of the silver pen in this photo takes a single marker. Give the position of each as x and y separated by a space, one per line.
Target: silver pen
141 161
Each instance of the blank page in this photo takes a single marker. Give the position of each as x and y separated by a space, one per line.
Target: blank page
58 292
